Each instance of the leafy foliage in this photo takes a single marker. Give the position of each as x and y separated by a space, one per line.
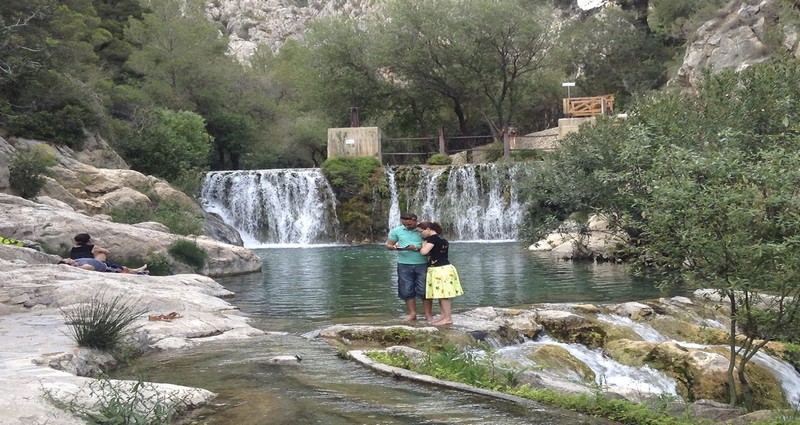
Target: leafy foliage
188 252
439 159
170 143
349 175
102 323
706 189
180 219
28 169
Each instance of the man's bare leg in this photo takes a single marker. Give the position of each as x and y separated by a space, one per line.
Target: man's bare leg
427 305
411 305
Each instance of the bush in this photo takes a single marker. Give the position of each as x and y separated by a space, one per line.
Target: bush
28 169
101 324
180 219
158 264
439 159
348 176
188 252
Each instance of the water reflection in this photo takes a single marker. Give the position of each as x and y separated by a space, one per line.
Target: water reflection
358 283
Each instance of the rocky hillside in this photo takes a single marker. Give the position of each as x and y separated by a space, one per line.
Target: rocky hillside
736 38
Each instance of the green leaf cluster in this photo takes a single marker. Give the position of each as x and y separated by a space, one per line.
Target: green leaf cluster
188 252
705 188
28 169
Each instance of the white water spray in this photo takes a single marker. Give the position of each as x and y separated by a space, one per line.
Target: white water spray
288 206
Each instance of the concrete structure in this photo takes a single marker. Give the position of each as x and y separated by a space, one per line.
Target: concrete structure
354 142
571 125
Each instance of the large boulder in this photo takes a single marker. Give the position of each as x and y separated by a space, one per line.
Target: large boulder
54 228
41 364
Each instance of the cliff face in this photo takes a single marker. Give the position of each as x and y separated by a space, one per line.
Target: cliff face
736 38
250 23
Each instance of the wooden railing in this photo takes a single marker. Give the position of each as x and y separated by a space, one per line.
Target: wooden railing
588 106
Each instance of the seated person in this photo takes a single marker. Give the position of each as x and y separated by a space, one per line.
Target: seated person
84 249
100 266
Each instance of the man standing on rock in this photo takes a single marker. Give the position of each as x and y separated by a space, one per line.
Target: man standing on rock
412 266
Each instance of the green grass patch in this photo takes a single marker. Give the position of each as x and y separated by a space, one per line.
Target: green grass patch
180 219
475 366
119 402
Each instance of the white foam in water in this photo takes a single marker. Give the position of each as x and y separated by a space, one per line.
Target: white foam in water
632 382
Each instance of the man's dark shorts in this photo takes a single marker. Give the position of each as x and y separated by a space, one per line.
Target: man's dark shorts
411 281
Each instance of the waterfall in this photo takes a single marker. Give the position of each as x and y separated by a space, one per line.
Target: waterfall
472 202
298 206
394 203
287 206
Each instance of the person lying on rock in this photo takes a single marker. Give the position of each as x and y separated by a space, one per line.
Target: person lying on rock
84 248
99 266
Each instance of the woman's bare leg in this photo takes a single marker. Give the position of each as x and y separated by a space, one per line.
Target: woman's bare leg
447 312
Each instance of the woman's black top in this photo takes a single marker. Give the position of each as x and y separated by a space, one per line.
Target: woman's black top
438 255
83 251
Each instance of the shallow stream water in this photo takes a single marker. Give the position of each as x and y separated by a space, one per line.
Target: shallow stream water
305 289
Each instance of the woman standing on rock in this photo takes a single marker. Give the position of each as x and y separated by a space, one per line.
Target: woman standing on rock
442 279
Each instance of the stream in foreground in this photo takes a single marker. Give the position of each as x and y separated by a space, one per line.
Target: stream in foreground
305 289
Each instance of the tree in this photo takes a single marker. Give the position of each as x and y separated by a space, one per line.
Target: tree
178 48
613 53
169 144
705 187
477 55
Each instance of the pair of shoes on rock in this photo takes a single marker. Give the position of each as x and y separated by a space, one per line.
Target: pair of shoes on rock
164 317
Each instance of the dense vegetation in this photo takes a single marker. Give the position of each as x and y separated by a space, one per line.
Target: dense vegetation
154 78
706 188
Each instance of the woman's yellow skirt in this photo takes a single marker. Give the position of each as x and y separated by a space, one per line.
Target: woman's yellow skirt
443 282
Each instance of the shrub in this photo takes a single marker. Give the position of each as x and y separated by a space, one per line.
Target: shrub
439 159
101 324
348 176
158 264
28 169
188 252
180 219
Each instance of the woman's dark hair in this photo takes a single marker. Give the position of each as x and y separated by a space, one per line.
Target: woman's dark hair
430 225
82 238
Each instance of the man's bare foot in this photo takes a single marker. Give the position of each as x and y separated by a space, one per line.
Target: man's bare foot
442 322
410 318
430 319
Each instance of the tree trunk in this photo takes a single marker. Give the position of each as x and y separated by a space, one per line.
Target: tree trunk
732 361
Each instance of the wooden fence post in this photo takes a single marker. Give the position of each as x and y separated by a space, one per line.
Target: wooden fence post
442 147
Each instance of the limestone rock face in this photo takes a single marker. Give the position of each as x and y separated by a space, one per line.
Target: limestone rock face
736 40
249 23
39 353
54 229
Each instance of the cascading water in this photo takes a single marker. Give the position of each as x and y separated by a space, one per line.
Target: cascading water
472 202
287 206
298 206
783 371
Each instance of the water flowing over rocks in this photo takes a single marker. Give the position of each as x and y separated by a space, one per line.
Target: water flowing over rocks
635 350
